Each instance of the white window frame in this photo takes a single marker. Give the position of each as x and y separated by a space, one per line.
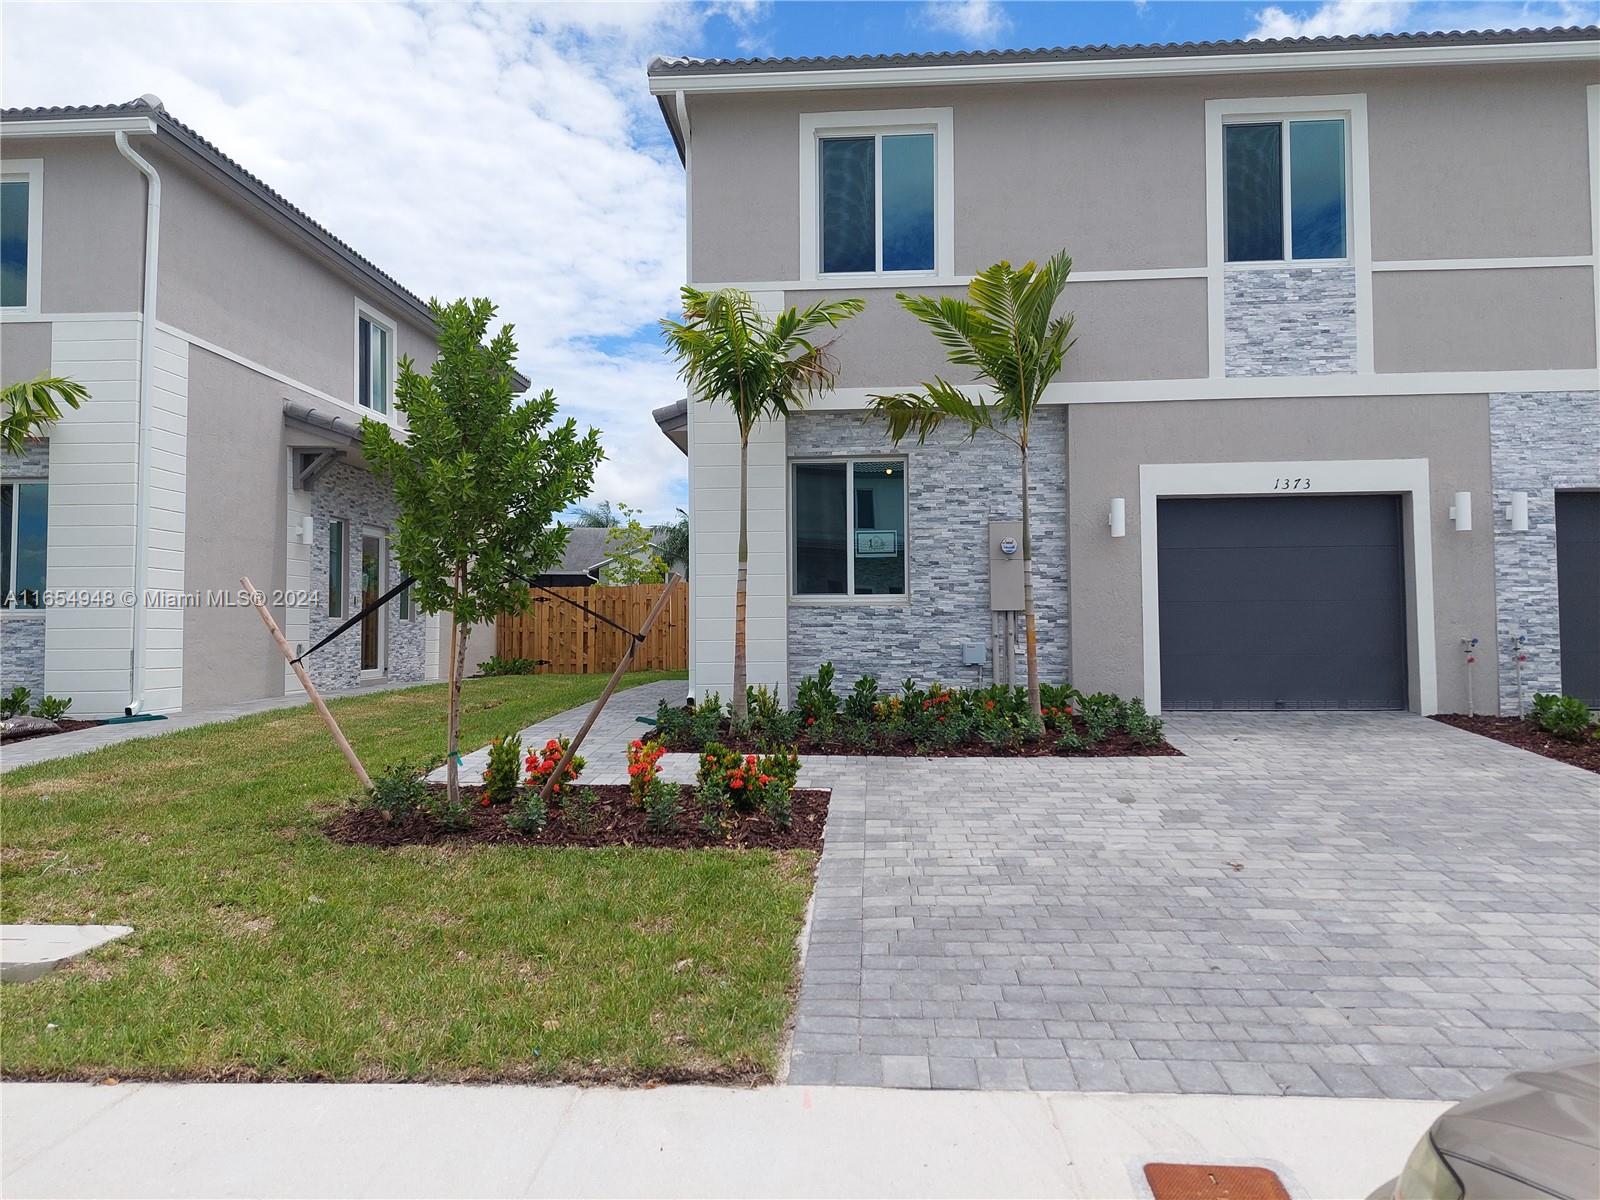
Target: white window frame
1283 121
1358 208
30 171
876 123
8 583
849 461
364 310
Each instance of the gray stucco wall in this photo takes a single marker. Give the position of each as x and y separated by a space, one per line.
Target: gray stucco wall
955 488
1108 442
94 202
297 315
235 527
24 350
1293 321
1542 442
22 631
1531 319
352 495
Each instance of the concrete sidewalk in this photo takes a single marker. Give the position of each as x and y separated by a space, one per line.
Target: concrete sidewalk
415 1140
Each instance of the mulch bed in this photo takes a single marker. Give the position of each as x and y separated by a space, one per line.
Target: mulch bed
1523 733
616 821
67 725
1115 745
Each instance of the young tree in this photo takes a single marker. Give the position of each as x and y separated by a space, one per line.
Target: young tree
479 479
32 406
1006 333
632 550
761 367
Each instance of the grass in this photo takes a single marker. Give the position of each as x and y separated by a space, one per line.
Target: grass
262 950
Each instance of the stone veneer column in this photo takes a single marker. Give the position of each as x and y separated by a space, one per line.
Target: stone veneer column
1540 443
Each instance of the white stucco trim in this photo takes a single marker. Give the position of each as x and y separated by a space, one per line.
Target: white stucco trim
76 127
1404 476
30 171
1352 107
1260 387
1485 264
941 123
894 283
261 369
1124 68
1593 91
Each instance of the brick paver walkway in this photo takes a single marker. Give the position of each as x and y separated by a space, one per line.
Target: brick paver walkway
1311 904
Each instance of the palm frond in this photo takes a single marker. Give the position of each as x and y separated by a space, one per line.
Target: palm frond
33 405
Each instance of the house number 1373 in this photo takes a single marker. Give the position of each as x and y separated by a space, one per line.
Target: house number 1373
1292 485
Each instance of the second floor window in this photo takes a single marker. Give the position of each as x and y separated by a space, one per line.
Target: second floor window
374 363
876 202
1285 190
17 225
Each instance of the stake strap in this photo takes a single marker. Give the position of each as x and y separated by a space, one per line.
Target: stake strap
356 620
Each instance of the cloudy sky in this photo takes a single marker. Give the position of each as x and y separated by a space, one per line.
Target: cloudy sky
513 150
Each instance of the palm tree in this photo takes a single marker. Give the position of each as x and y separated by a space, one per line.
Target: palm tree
598 515
1005 332
34 404
672 542
761 367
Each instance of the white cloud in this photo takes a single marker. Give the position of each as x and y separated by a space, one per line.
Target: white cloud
509 151
975 20
1347 17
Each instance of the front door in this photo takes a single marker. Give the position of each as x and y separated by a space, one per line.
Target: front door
372 586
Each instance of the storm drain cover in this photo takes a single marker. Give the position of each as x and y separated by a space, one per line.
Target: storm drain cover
1190 1181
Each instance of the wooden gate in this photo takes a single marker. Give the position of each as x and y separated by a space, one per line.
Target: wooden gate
574 643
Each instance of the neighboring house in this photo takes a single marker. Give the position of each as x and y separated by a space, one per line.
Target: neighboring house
1327 291
220 439
584 562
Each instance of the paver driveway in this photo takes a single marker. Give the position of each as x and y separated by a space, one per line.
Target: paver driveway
1345 904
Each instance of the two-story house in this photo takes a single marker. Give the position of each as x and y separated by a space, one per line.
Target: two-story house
1329 437
231 347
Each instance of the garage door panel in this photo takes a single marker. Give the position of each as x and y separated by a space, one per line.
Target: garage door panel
1290 573
1293 601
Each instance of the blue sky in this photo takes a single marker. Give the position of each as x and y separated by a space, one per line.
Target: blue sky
541 175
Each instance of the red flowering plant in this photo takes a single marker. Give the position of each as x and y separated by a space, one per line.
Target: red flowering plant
721 776
644 758
541 764
771 788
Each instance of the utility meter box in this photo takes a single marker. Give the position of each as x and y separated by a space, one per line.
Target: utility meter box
1005 566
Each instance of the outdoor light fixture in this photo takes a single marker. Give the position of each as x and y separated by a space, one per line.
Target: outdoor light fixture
1461 512
308 530
1517 512
1119 517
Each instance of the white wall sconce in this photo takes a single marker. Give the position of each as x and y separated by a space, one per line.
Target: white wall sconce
1517 512
1461 512
1119 517
308 530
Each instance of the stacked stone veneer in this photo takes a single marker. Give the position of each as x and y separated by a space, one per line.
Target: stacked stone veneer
955 487
22 631
1289 321
1540 442
346 493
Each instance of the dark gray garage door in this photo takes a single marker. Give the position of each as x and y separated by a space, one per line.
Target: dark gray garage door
1578 586
1282 602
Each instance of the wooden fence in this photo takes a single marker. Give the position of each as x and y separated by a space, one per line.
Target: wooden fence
575 643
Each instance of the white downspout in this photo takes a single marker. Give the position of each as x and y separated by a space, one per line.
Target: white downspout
147 333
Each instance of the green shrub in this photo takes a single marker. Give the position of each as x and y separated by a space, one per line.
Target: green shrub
1102 714
447 814
860 704
1070 743
1564 717
52 708
660 805
14 703
816 701
705 722
399 791
528 813
511 666
1139 724
503 772
674 725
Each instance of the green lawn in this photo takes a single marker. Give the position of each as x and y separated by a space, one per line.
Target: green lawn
261 950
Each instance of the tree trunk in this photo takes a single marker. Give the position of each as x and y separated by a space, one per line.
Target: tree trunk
1027 596
458 660
740 670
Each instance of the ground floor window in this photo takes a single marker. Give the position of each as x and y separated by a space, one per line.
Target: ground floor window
849 523
336 568
24 520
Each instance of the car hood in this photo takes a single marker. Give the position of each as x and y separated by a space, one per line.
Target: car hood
1542 1127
